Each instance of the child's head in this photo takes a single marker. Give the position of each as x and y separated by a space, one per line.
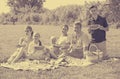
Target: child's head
36 36
29 30
53 40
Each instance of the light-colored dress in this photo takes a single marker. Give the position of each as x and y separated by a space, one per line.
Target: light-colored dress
21 51
25 41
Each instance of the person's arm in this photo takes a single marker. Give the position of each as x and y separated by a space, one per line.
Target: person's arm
18 55
71 44
105 25
20 52
21 40
20 44
57 45
92 27
31 49
86 42
65 46
104 28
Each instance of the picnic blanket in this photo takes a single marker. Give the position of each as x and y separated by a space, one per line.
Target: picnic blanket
27 65
36 65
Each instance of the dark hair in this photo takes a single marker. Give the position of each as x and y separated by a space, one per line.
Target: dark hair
32 33
30 28
40 43
93 6
66 26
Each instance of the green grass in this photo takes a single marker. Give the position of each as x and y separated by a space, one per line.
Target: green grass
9 36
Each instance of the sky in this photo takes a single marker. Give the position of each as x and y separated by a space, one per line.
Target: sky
50 4
3 6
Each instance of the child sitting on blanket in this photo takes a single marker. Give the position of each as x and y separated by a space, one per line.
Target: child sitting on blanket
36 51
54 48
56 53
60 46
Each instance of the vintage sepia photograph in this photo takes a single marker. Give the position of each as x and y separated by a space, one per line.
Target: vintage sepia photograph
59 39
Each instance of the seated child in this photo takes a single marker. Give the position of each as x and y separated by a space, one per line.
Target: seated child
36 51
56 52
54 48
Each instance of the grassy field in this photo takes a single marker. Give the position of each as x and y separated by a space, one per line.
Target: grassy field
9 36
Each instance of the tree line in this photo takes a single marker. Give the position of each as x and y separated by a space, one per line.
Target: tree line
33 12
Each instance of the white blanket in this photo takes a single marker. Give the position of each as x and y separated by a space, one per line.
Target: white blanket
42 65
27 65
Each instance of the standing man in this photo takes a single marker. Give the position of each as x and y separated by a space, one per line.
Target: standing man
97 28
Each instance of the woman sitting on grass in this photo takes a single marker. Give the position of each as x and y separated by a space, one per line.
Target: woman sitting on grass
36 51
22 47
61 45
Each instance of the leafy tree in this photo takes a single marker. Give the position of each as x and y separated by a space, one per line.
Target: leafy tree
27 5
25 11
115 8
67 14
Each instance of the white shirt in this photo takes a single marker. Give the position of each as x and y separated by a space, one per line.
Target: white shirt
80 42
62 40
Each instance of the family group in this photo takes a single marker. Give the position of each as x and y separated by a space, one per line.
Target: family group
76 45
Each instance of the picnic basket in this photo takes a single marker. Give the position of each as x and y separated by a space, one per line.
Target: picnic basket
94 54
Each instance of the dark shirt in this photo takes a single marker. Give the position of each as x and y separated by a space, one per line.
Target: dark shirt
98 35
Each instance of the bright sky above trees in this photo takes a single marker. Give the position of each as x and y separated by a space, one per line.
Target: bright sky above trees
50 4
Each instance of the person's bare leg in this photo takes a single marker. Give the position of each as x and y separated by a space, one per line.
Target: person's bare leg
18 56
